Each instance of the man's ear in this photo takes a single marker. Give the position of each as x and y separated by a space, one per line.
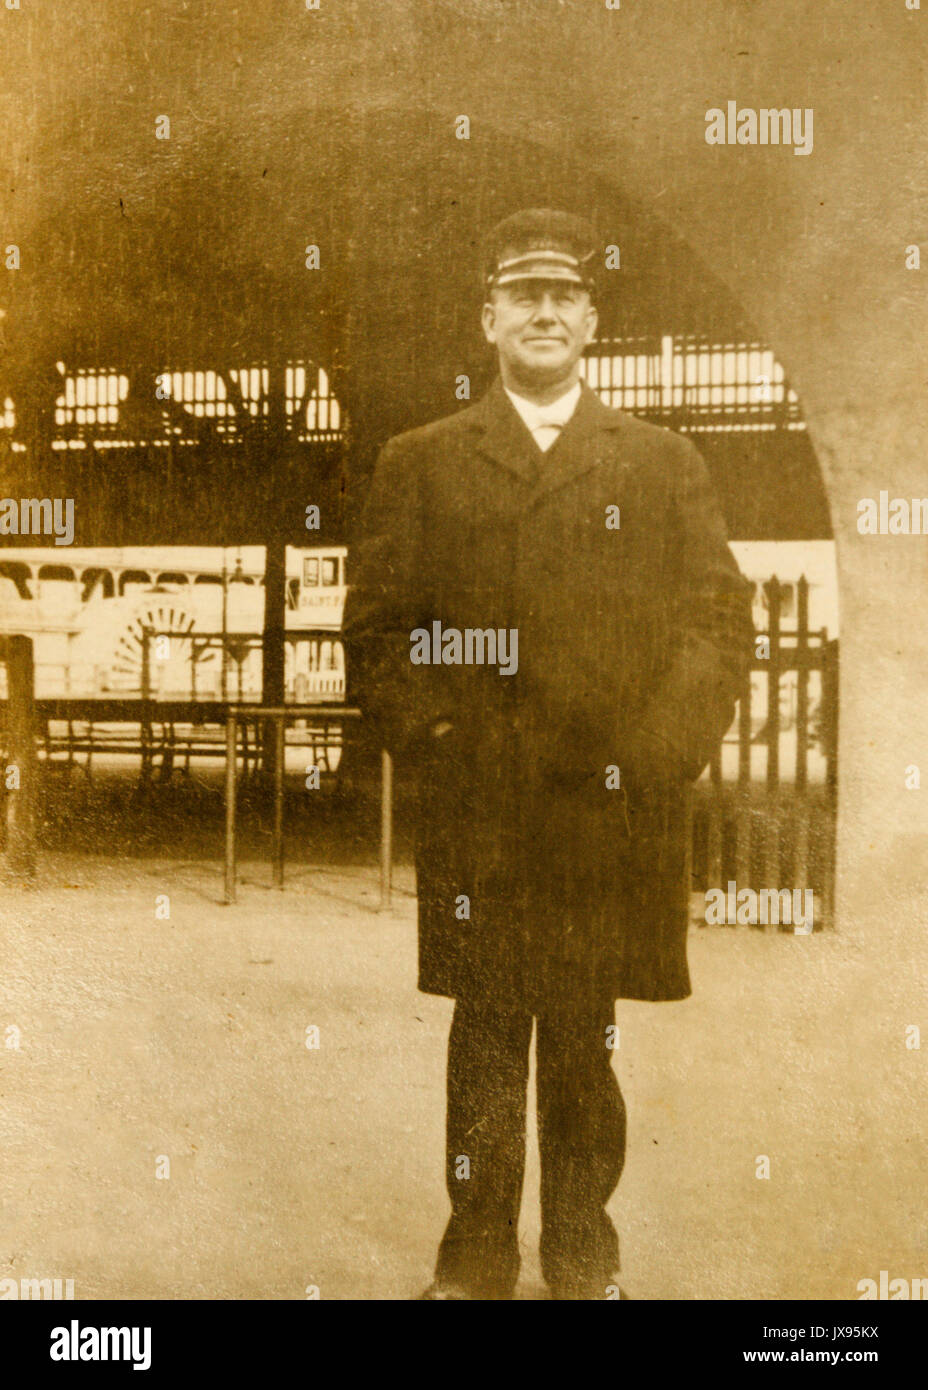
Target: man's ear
488 321
592 323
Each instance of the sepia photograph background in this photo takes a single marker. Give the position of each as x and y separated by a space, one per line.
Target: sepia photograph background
241 248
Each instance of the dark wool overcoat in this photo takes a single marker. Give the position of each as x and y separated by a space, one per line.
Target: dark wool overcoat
551 818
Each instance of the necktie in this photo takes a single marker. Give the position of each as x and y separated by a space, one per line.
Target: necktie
546 432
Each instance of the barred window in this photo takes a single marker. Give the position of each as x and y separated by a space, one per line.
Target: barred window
697 382
91 406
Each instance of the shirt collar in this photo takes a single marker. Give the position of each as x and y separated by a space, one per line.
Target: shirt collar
557 413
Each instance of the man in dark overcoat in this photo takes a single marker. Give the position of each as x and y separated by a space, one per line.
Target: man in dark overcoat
546 622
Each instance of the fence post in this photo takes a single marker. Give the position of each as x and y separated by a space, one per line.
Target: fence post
145 724
802 685
231 756
386 830
743 802
771 871
830 737
801 802
21 801
773 688
280 748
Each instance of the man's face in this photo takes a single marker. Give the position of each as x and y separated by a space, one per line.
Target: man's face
539 328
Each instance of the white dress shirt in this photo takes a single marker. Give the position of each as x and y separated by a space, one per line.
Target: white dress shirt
546 421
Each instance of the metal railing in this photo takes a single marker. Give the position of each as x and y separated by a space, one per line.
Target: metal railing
280 716
236 647
20 784
760 833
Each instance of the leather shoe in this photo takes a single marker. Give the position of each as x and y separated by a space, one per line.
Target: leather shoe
586 1291
444 1293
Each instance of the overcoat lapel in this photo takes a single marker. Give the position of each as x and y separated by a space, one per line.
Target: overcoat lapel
582 445
503 436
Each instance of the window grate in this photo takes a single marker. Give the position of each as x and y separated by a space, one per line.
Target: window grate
697 383
90 406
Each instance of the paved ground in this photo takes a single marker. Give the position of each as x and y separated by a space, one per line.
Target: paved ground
290 1167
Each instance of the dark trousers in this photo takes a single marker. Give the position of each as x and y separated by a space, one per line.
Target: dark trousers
581 1135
